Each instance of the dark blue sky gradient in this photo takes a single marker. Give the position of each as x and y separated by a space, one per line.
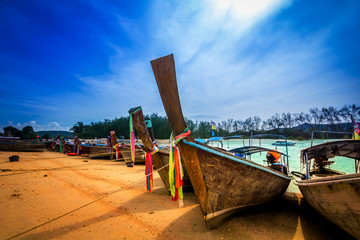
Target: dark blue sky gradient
70 61
339 18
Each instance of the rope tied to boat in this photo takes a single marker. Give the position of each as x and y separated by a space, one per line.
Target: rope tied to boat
149 168
175 168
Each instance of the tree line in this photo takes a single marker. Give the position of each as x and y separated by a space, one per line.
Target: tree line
292 125
120 125
295 125
27 133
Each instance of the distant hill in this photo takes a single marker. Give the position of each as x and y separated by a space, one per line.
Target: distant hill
53 134
325 127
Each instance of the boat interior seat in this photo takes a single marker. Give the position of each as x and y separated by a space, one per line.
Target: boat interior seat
278 167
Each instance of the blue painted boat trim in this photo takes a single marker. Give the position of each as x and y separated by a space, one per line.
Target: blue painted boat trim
236 159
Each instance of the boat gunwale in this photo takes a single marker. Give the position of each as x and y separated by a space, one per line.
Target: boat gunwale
329 180
246 162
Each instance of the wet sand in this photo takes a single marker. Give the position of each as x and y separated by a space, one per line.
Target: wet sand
52 196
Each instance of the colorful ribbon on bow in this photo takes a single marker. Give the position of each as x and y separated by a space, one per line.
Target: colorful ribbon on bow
175 169
149 168
115 144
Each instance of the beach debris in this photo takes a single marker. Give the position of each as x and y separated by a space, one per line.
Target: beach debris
15 195
5 170
14 158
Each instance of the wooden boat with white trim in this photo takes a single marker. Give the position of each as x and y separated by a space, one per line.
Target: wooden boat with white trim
223 183
161 157
334 194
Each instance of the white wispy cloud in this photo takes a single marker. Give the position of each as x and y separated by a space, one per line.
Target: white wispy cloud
228 67
201 35
37 127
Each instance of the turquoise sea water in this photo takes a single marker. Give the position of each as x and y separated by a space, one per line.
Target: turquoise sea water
343 164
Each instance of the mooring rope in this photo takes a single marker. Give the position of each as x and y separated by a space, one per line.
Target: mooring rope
85 205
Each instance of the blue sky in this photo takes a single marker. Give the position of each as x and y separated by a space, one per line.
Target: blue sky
67 61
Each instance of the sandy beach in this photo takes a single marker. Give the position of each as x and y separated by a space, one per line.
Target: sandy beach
47 195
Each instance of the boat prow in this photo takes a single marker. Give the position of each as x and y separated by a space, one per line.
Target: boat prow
333 194
161 157
223 183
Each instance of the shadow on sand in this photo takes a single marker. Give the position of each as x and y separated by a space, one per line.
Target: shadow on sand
288 217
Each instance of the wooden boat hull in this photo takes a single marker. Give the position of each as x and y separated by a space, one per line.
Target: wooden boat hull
24 147
229 185
126 154
336 198
161 161
223 183
88 149
105 155
160 158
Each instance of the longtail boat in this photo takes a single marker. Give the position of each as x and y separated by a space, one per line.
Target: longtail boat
22 146
332 193
87 149
223 182
125 151
160 157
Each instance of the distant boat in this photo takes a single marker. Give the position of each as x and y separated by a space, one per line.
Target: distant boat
22 146
274 159
333 194
201 140
223 183
161 157
125 151
283 143
87 149
221 140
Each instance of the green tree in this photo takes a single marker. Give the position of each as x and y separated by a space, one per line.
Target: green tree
10 131
28 132
78 127
46 136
